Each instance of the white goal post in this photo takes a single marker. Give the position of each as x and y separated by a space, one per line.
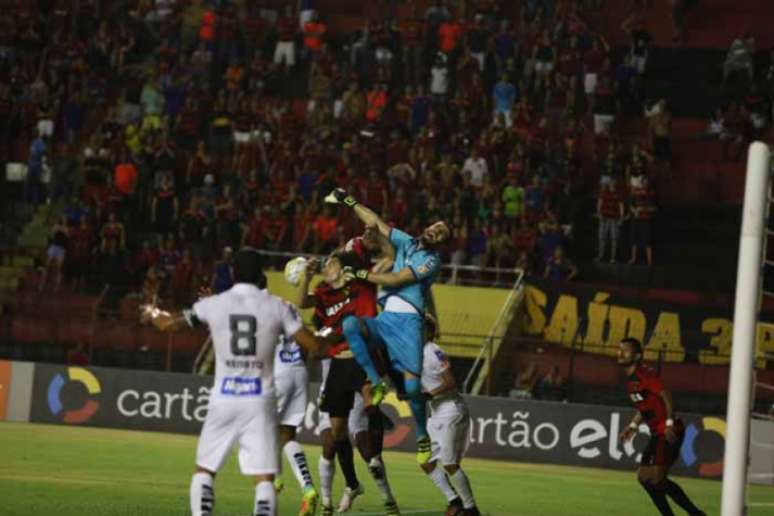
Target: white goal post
748 286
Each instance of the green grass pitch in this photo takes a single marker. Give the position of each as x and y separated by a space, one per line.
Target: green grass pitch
87 471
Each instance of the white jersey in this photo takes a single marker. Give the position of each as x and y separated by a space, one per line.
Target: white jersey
245 323
449 421
288 356
434 364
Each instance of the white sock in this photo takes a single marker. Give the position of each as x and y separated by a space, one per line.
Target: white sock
265 499
461 483
438 476
202 494
379 473
327 469
298 463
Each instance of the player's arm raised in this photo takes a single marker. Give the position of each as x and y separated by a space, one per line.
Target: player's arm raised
305 299
385 279
165 321
366 215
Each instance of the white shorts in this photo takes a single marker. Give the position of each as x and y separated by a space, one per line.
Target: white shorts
449 429
251 423
291 396
602 123
358 420
544 67
56 253
639 62
590 83
285 52
46 127
242 136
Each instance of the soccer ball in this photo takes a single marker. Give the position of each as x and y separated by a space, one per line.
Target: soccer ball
294 269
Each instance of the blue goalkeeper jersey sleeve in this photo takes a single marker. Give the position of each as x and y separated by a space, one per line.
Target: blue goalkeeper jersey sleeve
423 263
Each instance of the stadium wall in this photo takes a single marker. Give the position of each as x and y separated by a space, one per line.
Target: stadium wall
502 429
595 320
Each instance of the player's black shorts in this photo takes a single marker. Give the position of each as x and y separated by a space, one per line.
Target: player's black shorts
661 452
345 378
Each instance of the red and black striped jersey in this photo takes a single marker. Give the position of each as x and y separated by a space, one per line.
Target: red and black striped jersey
333 305
644 388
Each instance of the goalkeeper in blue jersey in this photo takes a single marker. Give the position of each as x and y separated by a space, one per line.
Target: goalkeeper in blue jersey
398 329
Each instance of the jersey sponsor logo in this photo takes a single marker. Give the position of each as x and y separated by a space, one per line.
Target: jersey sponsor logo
235 386
290 356
89 406
336 308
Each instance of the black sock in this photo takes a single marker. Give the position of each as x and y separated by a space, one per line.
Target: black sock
676 493
347 462
659 499
375 431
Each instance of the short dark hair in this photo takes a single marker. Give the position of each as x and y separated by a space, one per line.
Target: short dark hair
634 343
248 267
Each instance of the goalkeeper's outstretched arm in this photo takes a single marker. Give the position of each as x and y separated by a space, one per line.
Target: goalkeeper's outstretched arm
364 213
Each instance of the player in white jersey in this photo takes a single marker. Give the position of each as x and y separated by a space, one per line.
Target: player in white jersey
448 426
245 323
292 380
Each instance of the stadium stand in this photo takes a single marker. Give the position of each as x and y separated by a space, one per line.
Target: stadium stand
180 129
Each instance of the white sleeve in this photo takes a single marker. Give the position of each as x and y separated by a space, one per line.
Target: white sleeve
197 314
290 319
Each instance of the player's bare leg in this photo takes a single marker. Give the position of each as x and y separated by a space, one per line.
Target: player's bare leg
265 503
454 505
298 463
202 492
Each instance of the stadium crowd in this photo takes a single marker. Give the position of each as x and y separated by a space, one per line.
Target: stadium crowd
249 112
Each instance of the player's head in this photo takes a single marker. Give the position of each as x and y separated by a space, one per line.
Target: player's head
431 328
629 351
435 234
371 239
332 269
248 267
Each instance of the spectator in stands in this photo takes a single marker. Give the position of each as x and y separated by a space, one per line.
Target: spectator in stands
525 382
55 255
740 57
504 98
223 272
77 355
476 168
642 209
36 163
559 267
112 234
610 212
660 128
552 386
606 107
411 33
285 49
439 79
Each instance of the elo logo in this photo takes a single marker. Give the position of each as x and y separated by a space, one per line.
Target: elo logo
402 429
74 374
688 451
